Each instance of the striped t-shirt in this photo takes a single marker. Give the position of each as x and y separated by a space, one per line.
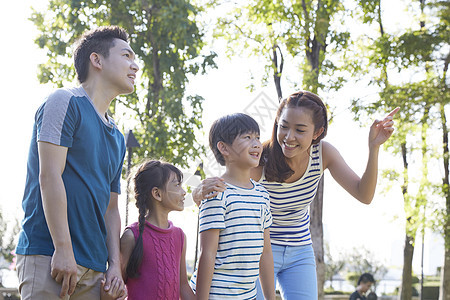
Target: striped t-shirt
289 203
242 215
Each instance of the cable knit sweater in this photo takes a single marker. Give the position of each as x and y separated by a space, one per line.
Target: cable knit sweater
160 268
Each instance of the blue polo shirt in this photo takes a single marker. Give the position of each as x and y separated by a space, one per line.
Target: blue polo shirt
96 149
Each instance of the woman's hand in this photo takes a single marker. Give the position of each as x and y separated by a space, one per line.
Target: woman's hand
209 188
380 131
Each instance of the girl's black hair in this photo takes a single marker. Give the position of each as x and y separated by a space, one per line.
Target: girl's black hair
275 165
227 128
150 174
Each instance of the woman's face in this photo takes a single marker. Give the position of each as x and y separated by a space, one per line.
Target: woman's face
296 131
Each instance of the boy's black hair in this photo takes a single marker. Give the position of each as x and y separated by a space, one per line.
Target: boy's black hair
366 277
227 128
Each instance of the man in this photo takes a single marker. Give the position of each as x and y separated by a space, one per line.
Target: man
70 232
365 282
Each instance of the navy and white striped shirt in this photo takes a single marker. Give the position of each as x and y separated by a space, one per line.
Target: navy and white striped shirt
289 203
242 215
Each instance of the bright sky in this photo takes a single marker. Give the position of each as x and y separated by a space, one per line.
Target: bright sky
347 223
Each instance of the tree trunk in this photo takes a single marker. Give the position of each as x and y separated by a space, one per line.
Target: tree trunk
406 287
408 251
444 293
277 70
317 237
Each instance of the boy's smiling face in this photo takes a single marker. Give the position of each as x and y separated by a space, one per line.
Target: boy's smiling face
245 150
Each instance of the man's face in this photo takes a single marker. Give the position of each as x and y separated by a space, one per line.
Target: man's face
365 286
119 68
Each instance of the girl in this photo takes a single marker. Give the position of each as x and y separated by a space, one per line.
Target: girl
153 251
292 164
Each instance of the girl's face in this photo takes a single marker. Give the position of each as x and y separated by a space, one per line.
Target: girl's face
296 131
173 196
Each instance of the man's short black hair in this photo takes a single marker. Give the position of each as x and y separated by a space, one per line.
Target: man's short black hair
227 128
99 40
366 277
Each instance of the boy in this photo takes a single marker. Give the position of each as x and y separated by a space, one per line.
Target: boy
71 226
234 225
365 282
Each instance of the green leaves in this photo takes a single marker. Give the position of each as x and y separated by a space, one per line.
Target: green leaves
168 42
410 71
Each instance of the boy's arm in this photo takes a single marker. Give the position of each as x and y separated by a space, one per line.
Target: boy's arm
209 242
185 289
112 222
52 161
266 276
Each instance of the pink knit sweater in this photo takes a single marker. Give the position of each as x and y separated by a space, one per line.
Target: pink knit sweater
160 268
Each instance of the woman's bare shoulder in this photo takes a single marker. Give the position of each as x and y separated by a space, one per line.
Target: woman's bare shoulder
256 173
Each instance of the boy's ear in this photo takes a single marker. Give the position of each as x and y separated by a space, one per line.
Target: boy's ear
156 193
223 148
96 60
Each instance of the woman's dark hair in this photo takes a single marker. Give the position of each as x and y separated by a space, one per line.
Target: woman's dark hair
99 40
150 174
227 128
275 165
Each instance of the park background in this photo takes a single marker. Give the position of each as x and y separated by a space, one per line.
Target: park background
348 225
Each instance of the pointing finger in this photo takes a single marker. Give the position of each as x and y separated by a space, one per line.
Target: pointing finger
392 113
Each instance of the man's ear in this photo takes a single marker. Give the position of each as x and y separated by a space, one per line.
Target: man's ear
96 60
156 194
223 148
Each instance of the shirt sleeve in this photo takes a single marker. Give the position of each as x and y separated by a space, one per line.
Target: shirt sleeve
115 184
56 119
212 213
268 218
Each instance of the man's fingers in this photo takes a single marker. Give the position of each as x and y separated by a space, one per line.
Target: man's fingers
65 286
55 275
114 285
72 284
107 286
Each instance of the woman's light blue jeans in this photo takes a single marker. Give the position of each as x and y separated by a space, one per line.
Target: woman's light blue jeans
295 272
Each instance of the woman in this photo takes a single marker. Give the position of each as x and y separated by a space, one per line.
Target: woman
292 164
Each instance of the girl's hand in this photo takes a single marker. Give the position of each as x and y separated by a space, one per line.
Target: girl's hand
208 189
380 131
116 291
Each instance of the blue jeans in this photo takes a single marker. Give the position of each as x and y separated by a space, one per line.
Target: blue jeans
295 272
